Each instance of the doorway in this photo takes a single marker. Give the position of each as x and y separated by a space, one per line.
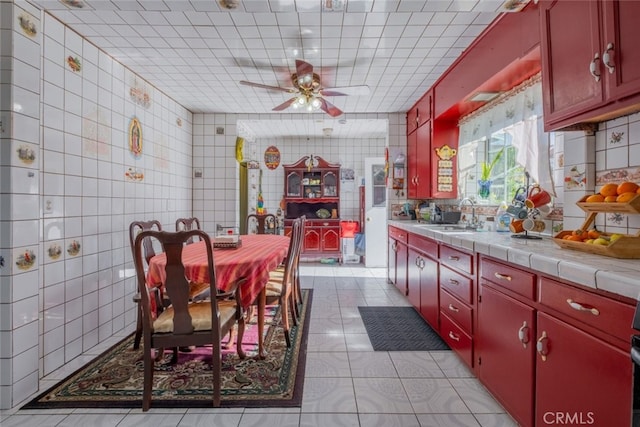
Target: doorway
375 199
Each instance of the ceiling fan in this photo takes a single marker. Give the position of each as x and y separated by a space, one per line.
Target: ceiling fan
309 91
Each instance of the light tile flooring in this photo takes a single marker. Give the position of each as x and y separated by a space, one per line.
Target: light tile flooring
346 382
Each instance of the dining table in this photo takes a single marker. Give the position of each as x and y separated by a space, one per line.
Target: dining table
250 263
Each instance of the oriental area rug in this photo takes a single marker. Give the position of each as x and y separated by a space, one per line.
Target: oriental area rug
114 379
399 329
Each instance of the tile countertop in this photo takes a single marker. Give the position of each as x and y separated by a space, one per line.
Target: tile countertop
618 276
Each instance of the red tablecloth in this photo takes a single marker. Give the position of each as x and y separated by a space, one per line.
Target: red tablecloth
258 254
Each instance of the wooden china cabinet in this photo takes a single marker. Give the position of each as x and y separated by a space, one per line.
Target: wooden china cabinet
312 188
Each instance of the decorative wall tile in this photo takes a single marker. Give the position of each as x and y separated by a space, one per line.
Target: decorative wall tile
54 251
24 259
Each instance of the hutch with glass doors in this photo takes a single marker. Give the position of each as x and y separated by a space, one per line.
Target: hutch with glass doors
312 189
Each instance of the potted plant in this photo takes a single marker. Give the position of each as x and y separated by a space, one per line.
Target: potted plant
484 183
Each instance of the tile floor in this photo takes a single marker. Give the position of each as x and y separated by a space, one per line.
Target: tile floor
346 383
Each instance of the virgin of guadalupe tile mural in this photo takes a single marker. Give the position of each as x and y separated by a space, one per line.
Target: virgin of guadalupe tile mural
135 138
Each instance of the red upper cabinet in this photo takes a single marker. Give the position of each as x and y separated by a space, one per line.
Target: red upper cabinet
620 47
570 45
424 109
590 64
412 119
419 163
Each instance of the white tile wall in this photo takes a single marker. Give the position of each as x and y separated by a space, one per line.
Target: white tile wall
76 190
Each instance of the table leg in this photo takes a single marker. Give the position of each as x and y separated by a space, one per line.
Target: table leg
262 301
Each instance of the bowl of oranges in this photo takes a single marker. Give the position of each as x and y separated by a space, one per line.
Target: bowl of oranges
612 197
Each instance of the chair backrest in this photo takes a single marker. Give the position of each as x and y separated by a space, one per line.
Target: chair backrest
184 224
176 284
293 254
135 228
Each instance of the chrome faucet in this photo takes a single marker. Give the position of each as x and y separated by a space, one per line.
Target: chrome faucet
474 220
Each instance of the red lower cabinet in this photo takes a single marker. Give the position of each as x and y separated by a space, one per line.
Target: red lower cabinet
580 380
506 340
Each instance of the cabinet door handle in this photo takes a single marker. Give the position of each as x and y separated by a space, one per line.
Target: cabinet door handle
453 336
394 247
579 307
502 276
541 346
454 282
454 258
453 308
593 68
606 59
523 334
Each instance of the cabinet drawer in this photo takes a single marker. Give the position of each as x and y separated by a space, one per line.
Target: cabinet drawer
508 277
459 312
424 245
606 314
457 284
458 340
397 234
456 259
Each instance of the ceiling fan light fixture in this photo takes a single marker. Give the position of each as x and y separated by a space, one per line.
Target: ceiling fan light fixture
315 103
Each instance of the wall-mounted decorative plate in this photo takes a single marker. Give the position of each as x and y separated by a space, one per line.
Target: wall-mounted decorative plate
272 157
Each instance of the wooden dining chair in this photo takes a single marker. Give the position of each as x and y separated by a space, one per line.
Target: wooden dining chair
192 223
280 287
278 273
185 322
262 224
135 228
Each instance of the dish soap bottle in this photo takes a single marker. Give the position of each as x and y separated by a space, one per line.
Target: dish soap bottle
503 219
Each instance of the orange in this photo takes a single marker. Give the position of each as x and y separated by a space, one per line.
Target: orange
574 238
609 190
638 190
627 187
625 197
595 198
593 234
612 198
581 234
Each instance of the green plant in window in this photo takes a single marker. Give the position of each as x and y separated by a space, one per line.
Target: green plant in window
488 167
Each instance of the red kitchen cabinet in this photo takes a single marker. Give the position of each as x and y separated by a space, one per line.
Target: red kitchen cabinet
506 345
570 41
398 253
590 60
422 278
412 119
424 109
322 237
621 36
419 163
580 378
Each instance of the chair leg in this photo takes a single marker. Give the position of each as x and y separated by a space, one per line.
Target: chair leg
284 308
148 379
216 361
239 349
138 337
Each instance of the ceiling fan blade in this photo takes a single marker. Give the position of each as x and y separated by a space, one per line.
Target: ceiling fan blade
285 104
329 108
260 85
303 68
346 90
